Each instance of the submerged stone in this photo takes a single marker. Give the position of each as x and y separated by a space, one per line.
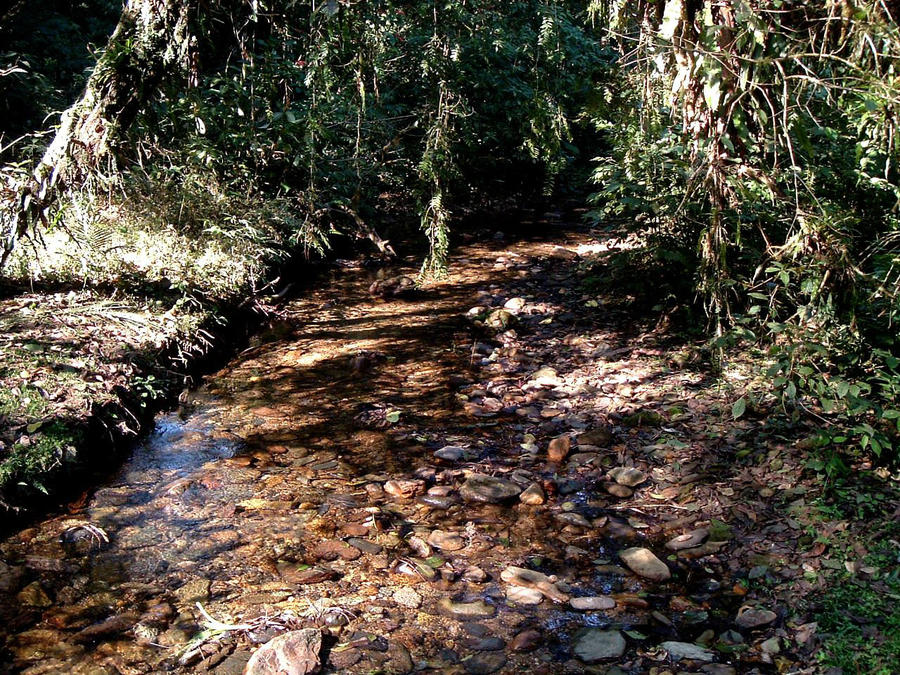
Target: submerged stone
599 645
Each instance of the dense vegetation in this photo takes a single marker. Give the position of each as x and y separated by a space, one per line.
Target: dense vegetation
749 148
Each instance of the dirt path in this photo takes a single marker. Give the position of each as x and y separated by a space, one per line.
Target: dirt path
432 481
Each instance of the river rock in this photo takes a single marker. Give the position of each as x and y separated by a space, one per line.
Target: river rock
526 641
599 602
519 576
195 590
619 491
689 540
514 304
627 476
686 650
559 447
598 645
533 495
365 546
446 541
404 489
485 663
34 595
467 611
10 578
332 550
644 563
524 596
545 377
450 453
488 490
294 653
755 617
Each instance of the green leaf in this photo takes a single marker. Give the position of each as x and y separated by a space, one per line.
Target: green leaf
393 416
739 407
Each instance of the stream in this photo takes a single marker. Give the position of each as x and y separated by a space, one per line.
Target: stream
375 466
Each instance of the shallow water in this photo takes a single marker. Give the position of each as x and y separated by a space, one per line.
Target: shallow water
263 502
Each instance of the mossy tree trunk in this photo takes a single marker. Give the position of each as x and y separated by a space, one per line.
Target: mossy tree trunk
150 42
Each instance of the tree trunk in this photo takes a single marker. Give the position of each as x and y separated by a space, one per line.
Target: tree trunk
150 41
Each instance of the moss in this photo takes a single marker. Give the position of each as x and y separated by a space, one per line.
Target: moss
27 462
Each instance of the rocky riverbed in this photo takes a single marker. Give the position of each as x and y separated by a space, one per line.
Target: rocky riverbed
492 474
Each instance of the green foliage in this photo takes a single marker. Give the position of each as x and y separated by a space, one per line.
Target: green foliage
754 150
26 463
858 624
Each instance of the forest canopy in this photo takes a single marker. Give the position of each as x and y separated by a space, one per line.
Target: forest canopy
747 148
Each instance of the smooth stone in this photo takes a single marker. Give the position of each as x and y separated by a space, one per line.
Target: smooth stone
599 602
519 576
446 541
689 540
545 377
514 304
450 453
627 476
619 491
404 488
754 618
533 495
687 650
598 645
365 546
438 502
644 563
524 596
407 597
293 653
467 610
526 641
484 663
559 447
474 574
486 644
488 490
575 519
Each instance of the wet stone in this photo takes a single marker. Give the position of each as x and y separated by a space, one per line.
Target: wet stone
627 476
689 540
450 453
484 663
365 546
438 502
687 650
524 596
592 603
619 491
644 563
533 495
334 550
404 488
595 645
467 610
488 490
755 617
485 644
526 641
558 449
446 541
34 595
294 653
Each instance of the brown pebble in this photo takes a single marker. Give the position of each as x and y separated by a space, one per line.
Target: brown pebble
559 447
526 641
